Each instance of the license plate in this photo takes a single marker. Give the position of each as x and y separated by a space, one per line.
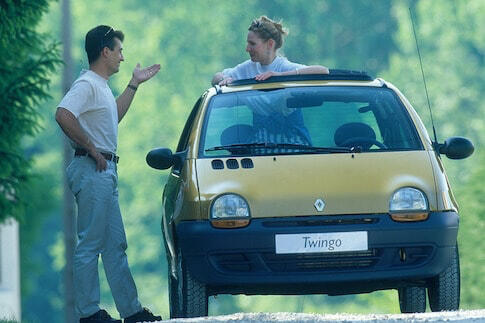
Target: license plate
321 242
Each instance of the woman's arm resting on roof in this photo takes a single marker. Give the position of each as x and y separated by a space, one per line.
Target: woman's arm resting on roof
218 77
312 69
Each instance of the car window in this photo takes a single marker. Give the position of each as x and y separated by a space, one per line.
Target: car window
289 120
184 137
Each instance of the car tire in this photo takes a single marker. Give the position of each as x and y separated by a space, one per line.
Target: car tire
412 299
188 297
444 289
196 300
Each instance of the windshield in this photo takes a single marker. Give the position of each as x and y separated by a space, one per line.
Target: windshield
307 120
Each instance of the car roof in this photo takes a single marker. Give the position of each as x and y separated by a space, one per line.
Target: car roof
335 77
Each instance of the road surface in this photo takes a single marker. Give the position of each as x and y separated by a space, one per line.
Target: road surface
474 316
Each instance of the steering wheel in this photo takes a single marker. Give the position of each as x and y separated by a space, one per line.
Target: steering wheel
363 140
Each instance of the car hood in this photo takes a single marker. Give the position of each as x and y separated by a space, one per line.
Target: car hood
290 185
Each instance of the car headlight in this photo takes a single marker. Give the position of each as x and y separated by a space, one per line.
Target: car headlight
408 204
229 211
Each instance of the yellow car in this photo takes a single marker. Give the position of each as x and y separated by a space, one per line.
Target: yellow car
310 184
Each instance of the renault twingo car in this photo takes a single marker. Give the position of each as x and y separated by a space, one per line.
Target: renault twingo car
314 184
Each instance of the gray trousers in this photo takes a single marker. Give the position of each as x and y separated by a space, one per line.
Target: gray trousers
100 232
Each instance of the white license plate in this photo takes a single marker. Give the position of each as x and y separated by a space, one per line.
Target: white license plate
321 242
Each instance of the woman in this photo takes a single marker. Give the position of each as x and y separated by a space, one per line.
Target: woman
264 38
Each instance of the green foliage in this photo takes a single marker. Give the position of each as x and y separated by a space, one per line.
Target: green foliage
453 52
191 46
353 35
192 42
471 197
25 67
453 61
39 235
377 302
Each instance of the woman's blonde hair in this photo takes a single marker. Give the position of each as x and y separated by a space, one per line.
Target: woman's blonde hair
267 28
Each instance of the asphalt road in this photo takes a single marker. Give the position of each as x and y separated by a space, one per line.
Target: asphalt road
459 316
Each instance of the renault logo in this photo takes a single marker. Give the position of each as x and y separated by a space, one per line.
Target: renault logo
319 205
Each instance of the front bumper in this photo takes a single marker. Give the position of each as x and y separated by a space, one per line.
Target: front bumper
244 260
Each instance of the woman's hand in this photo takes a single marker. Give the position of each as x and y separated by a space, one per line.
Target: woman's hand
226 81
266 75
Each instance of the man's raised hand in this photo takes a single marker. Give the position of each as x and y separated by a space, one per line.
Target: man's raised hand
141 75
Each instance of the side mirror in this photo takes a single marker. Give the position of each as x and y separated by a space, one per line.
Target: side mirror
457 148
162 158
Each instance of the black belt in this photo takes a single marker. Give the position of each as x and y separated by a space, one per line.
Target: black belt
107 156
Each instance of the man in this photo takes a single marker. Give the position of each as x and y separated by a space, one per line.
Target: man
89 115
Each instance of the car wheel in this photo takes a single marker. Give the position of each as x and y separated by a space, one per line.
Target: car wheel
188 297
444 289
412 299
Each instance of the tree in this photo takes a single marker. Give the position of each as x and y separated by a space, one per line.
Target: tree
453 52
354 35
453 61
191 46
25 64
472 259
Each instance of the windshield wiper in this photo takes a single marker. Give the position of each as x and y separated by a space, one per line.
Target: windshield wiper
271 145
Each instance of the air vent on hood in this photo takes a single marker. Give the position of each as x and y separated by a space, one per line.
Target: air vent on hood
232 163
247 163
217 164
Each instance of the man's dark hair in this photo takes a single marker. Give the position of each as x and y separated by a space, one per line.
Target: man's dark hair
98 38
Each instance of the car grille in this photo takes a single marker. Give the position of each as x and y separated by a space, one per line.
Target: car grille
320 262
377 258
